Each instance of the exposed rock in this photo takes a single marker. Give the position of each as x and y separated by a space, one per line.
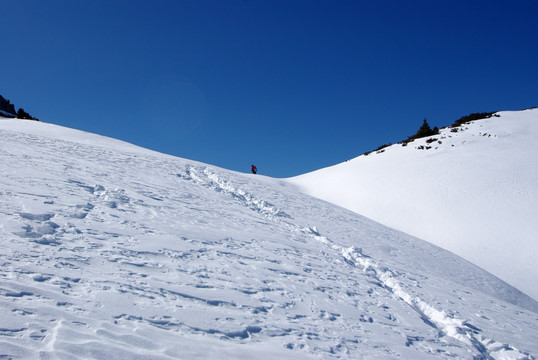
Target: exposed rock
7 109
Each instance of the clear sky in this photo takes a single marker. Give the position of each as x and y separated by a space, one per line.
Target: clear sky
291 86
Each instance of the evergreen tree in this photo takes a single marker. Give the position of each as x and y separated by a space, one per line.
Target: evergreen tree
7 106
425 130
21 114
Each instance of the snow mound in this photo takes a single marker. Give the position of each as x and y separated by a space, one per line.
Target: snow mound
471 190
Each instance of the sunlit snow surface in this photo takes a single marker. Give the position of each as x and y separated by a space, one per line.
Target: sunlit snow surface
472 190
113 251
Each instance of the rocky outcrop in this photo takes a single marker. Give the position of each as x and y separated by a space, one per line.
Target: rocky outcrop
7 109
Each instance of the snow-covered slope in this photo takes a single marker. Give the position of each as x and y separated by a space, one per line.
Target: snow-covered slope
112 251
474 192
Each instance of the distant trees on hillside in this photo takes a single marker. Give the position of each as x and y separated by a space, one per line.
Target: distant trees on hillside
424 131
7 109
21 114
472 117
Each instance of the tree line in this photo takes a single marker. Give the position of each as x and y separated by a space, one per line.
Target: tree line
7 109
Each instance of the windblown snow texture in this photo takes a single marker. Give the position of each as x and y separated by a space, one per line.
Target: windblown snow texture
114 251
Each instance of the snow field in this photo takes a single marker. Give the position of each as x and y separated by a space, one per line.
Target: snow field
112 251
473 192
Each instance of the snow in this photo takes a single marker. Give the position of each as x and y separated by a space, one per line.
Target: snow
113 251
473 193
6 114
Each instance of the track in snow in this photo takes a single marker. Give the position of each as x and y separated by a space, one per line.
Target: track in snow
461 330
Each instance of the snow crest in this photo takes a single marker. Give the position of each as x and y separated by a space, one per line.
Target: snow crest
471 190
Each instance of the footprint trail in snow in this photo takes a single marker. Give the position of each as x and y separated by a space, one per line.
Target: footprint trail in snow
458 329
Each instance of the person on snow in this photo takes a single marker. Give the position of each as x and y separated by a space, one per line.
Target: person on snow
253 168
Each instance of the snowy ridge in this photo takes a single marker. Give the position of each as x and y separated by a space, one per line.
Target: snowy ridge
471 190
112 251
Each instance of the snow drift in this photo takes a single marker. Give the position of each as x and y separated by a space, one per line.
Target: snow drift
113 251
472 190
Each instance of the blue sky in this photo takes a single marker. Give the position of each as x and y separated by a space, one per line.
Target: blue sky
291 86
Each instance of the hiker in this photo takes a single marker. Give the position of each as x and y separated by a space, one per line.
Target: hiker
253 168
